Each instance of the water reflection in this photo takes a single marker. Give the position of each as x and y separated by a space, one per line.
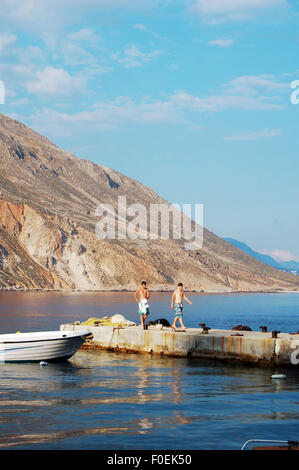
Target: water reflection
176 398
101 400
80 403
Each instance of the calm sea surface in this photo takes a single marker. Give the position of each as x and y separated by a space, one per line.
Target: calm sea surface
100 400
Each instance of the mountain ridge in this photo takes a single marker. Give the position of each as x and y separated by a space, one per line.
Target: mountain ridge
267 259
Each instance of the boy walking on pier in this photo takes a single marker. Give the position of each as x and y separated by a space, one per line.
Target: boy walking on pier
177 303
142 301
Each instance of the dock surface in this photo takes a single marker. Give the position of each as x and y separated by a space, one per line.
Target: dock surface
244 346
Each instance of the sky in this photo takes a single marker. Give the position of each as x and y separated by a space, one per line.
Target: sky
190 97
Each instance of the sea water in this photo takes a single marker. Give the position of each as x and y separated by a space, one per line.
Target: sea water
101 400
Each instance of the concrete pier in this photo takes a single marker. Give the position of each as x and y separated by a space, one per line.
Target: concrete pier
244 346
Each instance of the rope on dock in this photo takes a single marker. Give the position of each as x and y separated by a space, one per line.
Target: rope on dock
95 347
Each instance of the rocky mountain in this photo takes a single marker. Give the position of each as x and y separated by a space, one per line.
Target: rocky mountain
48 201
291 265
255 254
284 265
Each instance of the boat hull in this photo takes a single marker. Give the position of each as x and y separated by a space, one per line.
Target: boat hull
46 346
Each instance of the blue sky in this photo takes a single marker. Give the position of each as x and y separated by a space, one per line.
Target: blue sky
190 97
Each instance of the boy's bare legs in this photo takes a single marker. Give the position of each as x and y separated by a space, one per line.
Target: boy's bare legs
143 318
181 322
174 323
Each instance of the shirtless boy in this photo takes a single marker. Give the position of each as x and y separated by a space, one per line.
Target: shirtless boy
177 303
143 294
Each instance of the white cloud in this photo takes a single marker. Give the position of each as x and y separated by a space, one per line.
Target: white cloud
7 40
178 108
222 10
103 116
20 102
220 102
133 57
73 54
55 81
244 93
240 94
252 92
221 42
251 84
34 68
283 255
78 48
264 134
42 16
84 35
22 70
141 27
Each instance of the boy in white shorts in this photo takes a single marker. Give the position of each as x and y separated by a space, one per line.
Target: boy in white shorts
143 294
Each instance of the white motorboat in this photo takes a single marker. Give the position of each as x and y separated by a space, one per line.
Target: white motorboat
41 346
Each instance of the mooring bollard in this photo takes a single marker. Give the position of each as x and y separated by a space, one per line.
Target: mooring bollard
205 330
275 333
264 329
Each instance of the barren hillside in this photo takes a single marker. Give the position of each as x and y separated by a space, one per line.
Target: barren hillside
48 199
